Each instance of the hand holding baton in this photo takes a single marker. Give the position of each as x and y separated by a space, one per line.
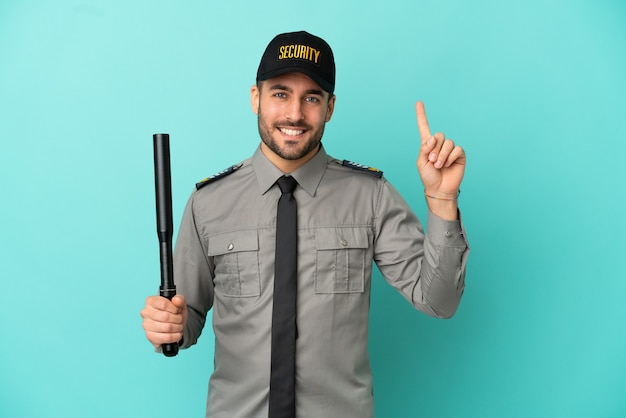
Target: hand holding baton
163 185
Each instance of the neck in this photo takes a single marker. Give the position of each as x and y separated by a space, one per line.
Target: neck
287 166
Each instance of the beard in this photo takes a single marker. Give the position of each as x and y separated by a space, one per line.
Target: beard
290 149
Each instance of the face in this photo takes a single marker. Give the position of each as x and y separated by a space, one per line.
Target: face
292 111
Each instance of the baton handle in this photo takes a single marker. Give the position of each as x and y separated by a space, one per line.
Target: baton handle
163 188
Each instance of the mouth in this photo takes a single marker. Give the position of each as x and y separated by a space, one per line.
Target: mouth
291 131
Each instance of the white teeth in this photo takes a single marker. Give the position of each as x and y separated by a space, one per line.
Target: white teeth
291 132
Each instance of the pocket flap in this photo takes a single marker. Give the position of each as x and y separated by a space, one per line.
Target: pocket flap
233 242
341 238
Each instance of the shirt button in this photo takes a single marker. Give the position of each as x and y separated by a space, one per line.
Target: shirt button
230 247
344 242
448 234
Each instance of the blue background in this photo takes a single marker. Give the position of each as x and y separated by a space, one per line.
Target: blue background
534 90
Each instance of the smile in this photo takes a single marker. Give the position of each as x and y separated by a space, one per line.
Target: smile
291 132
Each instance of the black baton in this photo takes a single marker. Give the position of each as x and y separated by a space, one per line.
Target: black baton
163 185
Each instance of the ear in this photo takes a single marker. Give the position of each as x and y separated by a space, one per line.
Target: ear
255 97
330 108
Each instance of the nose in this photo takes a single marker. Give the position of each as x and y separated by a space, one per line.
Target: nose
294 111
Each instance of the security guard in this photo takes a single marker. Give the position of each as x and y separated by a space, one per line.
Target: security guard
348 216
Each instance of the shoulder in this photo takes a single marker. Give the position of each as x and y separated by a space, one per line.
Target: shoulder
219 175
351 166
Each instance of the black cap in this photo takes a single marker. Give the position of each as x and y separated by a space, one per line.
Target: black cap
299 52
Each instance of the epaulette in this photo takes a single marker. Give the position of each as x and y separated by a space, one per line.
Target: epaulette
370 170
217 176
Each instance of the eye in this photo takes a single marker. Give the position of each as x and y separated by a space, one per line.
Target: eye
280 95
312 99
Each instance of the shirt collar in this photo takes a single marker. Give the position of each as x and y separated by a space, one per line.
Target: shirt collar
308 176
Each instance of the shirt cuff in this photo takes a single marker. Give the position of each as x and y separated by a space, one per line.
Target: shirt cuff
445 233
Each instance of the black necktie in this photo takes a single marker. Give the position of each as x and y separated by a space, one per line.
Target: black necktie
283 370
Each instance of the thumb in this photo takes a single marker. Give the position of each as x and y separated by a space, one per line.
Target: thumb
425 149
179 301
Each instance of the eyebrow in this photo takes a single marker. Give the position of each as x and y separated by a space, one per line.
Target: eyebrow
318 92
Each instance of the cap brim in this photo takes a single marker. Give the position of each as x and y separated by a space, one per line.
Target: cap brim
312 75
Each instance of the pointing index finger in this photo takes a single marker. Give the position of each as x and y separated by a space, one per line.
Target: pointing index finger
422 122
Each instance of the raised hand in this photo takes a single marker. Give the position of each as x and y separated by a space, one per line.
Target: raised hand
440 162
441 165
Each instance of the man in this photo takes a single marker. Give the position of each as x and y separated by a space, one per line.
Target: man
348 215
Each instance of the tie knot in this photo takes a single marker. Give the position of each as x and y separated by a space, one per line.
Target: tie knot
287 184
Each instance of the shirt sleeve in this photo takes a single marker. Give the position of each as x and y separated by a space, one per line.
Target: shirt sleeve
427 269
193 274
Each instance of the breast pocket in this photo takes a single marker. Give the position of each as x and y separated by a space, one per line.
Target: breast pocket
236 258
340 262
